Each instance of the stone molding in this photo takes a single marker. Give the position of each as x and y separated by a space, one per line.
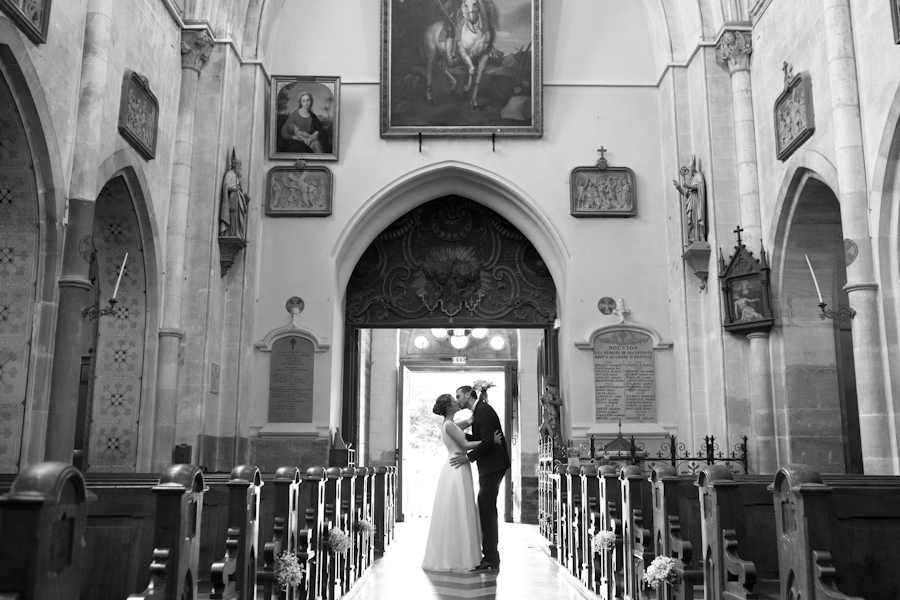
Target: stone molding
171 332
196 46
658 342
733 50
75 282
294 328
857 286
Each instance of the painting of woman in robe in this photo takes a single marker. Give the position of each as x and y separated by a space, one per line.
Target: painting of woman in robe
305 123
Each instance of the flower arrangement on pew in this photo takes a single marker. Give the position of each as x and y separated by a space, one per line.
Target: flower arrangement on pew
604 541
365 527
661 570
289 572
338 541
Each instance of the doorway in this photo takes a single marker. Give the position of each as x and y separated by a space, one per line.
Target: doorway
421 448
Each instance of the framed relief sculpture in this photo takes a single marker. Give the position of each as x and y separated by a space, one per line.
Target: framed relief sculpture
304 118
602 191
32 17
795 121
461 68
745 290
299 191
139 114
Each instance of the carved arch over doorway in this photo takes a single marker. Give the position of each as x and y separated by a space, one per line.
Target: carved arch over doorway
451 260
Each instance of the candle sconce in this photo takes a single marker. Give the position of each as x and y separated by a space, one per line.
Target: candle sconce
844 313
92 312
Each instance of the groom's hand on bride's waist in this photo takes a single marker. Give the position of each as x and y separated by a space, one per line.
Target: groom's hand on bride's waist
458 459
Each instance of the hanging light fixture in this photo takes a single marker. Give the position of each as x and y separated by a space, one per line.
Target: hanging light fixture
459 341
497 342
439 333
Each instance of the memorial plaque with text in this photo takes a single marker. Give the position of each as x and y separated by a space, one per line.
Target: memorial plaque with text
291 381
624 377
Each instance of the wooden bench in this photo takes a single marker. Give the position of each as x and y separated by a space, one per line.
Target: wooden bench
610 564
234 576
588 526
837 535
677 529
638 547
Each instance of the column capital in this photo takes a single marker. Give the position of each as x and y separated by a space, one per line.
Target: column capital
733 50
196 47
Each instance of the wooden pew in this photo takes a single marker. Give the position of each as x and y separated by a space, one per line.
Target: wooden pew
43 519
348 519
382 508
285 535
610 564
234 577
740 555
333 561
176 540
392 497
638 547
364 500
589 525
575 550
677 528
837 536
561 525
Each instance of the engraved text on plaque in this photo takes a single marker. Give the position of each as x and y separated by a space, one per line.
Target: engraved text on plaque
291 381
624 379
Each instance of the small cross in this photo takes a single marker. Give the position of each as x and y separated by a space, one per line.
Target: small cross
601 162
293 343
738 232
602 151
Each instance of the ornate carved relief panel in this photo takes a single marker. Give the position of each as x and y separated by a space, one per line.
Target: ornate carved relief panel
451 260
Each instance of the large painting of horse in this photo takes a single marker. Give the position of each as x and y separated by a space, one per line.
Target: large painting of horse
461 68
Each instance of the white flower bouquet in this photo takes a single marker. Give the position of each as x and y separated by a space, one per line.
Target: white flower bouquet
288 570
604 541
661 570
338 541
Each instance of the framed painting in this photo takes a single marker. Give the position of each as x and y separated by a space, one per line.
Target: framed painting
32 17
602 192
304 118
299 192
461 68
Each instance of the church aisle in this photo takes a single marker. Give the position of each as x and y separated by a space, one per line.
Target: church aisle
527 573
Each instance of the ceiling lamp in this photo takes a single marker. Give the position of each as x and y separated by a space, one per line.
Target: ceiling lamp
421 342
439 333
497 342
479 333
459 341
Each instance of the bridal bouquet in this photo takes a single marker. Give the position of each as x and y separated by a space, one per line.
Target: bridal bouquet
604 541
338 541
482 385
289 572
661 570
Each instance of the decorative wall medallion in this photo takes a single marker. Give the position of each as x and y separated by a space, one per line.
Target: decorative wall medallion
602 191
32 17
294 302
299 191
606 305
794 118
139 114
851 251
451 260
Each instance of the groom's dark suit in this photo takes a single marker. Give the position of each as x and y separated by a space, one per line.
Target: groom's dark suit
493 461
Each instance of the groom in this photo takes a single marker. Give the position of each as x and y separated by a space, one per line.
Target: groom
493 461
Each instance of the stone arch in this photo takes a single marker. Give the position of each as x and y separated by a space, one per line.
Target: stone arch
445 179
812 357
128 165
39 141
885 204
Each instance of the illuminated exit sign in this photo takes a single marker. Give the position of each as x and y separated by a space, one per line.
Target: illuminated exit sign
459 360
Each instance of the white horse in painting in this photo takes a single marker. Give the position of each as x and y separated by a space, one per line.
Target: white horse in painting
476 25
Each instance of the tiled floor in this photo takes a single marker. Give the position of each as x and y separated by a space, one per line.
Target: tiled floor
527 572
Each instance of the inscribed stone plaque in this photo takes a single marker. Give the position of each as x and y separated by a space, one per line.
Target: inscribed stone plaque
214 372
624 378
291 381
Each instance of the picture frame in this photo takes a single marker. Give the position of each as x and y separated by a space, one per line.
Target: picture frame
602 192
895 19
313 136
139 114
34 22
294 191
795 120
503 98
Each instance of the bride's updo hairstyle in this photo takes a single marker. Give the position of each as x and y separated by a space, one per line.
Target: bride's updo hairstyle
441 405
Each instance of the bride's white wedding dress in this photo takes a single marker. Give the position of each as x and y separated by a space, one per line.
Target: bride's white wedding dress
454 539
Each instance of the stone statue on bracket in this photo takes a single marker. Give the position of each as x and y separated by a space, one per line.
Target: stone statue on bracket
550 412
233 210
693 191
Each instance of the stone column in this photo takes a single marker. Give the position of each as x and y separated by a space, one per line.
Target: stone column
874 413
733 52
196 47
73 281
762 451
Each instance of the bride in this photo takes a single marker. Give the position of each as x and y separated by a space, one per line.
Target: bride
454 539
